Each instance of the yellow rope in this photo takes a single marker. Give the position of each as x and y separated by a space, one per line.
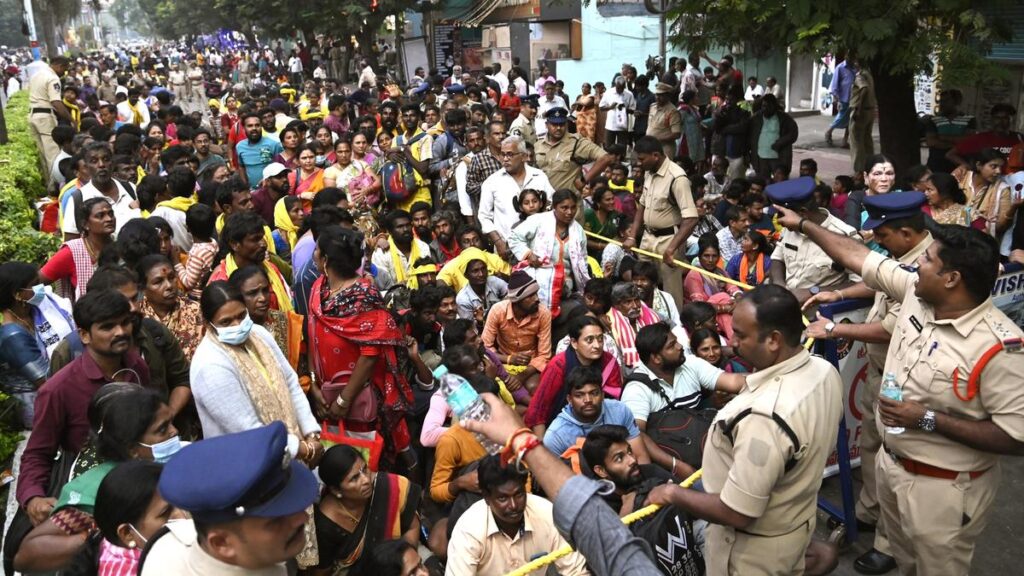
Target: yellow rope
681 264
628 519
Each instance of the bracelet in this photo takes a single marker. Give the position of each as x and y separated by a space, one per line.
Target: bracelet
531 442
508 452
800 226
673 465
840 293
341 402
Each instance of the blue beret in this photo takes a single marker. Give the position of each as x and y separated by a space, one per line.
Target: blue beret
887 207
557 115
456 89
791 193
248 474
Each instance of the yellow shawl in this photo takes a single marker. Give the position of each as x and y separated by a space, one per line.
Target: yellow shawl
284 223
284 297
268 234
402 275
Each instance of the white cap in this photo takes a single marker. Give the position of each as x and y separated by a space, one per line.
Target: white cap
274 169
121 90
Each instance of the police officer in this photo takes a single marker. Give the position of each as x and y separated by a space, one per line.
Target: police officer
561 156
523 126
899 226
232 485
44 101
766 450
665 123
798 263
937 480
666 212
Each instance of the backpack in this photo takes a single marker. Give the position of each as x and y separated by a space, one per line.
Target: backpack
678 430
669 532
398 180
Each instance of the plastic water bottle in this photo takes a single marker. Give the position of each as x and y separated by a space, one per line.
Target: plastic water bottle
466 404
892 391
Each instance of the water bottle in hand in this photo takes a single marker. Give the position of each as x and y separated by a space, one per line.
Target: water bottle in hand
892 391
466 404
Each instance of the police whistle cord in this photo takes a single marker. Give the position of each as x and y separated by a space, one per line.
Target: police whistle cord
807 344
627 519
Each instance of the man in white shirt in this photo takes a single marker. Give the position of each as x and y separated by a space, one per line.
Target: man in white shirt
549 101
620 105
754 90
125 206
499 77
366 76
295 68
130 109
507 529
497 212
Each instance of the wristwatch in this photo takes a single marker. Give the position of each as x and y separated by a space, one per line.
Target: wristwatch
814 290
829 327
927 422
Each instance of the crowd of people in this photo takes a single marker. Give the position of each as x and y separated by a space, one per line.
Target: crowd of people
232 364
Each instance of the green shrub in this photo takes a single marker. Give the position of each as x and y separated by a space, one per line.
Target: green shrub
21 184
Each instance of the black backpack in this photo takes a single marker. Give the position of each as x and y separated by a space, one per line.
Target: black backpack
669 532
678 430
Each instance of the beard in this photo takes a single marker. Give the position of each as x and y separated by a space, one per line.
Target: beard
425 234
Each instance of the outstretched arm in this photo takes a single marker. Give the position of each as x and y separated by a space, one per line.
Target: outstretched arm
846 251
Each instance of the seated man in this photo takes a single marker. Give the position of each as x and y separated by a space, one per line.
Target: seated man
471 246
403 251
481 293
628 315
666 378
506 529
518 330
586 408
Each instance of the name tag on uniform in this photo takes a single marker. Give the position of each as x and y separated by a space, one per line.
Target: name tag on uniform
790 246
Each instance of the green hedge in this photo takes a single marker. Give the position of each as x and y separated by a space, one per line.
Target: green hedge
21 185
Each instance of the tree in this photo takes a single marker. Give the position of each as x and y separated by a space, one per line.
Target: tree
895 38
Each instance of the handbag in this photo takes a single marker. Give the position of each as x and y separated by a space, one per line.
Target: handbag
20 524
334 435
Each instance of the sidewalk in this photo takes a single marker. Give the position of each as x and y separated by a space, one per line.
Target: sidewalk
832 161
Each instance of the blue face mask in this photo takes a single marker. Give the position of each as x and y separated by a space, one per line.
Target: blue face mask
235 335
163 451
38 295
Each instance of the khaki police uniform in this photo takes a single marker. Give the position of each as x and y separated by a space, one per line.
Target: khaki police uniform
749 470
524 129
663 123
666 199
807 265
557 159
936 493
884 310
44 88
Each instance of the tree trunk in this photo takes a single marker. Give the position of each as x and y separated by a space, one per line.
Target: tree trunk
897 118
48 34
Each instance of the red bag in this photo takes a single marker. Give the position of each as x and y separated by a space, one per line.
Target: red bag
334 434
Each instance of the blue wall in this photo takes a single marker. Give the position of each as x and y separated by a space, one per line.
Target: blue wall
607 44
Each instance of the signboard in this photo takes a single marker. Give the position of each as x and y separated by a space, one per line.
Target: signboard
447 47
853 369
1008 295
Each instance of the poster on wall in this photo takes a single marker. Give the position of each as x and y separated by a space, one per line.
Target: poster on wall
853 369
447 47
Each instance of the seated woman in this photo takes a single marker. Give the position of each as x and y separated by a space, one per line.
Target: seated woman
751 265
241 380
697 315
129 512
602 219
164 302
707 345
947 203
288 218
34 322
360 508
284 327
698 287
554 245
128 423
988 194
586 348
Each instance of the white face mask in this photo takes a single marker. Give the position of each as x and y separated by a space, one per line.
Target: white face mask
235 335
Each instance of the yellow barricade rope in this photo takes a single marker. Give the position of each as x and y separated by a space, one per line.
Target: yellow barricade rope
628 519
681 264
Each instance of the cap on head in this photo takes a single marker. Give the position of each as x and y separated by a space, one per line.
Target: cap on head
884 208
663 88
274 169
557 115
248 474
521 285
791 193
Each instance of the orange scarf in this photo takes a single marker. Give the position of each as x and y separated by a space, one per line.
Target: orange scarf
745 267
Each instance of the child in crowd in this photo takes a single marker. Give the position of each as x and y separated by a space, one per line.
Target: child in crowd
199 219
841 188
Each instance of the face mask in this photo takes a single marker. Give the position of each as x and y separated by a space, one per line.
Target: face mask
163 451
320 159
235 335
38 295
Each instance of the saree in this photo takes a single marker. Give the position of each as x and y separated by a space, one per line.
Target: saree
344 327
390 512
297 185
700 288
563 261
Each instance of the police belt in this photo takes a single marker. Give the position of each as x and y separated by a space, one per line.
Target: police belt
660 231
41 111
922 469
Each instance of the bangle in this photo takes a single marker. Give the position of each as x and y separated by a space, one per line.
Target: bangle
800 226
531 442
673 470
510 450
840 293
341 402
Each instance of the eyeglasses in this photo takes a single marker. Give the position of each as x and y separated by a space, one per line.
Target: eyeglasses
510 154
